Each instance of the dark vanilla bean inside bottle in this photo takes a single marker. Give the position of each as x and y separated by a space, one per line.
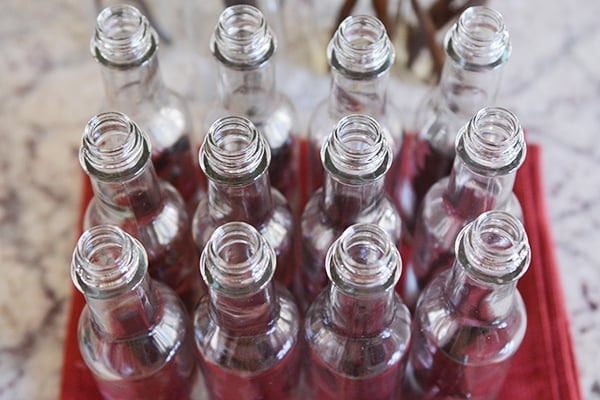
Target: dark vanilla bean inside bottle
358 329
244 45
471 319
128 193
489 151
477 47
235 158
134 333
247 327
126 47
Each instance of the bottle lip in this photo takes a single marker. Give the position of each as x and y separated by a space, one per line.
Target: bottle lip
113 148
123 37
237 261
242 38
479 39
356 151
492 143
360 48
363 261
494 248
234 152
107 261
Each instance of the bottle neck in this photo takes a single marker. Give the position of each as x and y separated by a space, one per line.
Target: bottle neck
357 96
127 88
251 202
356 316
248 92
245 316
128 314
344 202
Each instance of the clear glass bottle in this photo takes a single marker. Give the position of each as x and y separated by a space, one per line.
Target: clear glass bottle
477 47
134 333
358 330
128 193
247 327
244 46
360 56
471 319
125 46
489 151
356 158
235 158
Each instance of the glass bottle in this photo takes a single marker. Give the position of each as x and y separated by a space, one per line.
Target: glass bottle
471 319
128 193
360 56
235 158
244 46
126 47
358 329
356 158
489 151
477 47
247 327
134 333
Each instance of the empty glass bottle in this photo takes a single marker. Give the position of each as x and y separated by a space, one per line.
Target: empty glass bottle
358 329
128 193
360 56
471 319
243 46
356 158
489 151
477 47
126 46
247 327
235 158
134 333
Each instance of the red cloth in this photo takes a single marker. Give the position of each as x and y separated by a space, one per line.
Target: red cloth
544 367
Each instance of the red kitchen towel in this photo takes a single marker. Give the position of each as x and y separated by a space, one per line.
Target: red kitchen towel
543 368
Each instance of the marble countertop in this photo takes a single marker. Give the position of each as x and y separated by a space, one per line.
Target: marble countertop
50 86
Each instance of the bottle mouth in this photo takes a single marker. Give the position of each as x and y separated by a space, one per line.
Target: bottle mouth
363 261
356 151
123 37
361 46
492 143
113 148
242 37
107 261
494 248
237 261
234 152
479 38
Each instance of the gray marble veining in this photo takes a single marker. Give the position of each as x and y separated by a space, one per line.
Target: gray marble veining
49 87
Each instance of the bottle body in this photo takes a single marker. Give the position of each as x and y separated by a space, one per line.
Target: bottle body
247 327
477 47
491 147
126 311
356 158
129 194
360 56
471 319
126 48
244 46
358 339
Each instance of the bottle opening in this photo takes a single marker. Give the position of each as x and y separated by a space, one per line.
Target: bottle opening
234 151
237 260
363 261
357 150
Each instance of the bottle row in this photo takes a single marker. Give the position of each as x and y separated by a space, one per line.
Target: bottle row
323 216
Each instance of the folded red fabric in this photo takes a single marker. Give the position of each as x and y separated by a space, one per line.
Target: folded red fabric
543 368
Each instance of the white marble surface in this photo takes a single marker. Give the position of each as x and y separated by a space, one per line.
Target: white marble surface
49 87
